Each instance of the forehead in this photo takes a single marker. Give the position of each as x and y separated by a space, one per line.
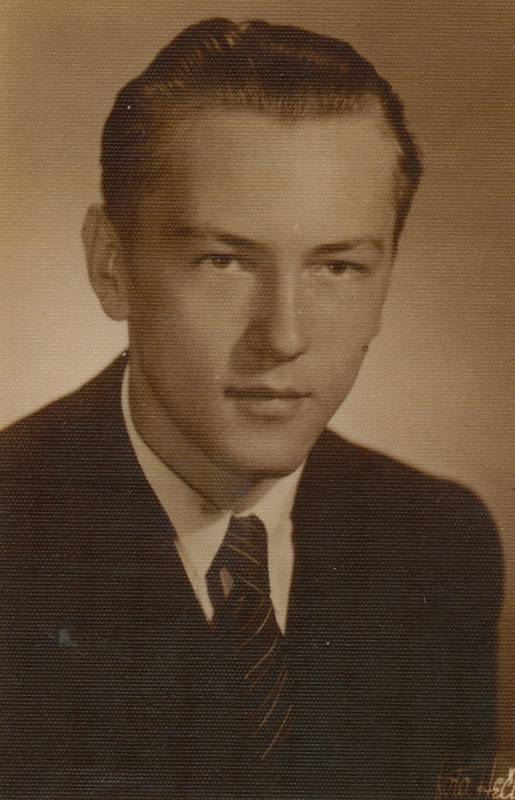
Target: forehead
251 168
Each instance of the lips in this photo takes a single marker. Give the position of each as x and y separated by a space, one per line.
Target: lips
268 404
265 393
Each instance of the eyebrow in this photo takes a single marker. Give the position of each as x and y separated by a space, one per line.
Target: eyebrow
350 244
195 232
199 232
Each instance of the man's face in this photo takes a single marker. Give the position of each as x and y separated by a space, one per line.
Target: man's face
258 269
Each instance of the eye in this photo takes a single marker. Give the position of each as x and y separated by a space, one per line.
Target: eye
220 261
339 268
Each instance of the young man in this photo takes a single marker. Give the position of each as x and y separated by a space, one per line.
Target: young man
207 593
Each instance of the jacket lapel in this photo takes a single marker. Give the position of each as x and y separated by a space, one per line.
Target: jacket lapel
115 541
124 561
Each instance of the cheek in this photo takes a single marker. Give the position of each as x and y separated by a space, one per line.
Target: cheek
340 373
341 348
342 367
187 343
341 331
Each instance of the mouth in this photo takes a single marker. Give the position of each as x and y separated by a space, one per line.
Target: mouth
265 393
267 402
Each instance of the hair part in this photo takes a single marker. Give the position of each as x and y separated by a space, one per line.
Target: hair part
278 70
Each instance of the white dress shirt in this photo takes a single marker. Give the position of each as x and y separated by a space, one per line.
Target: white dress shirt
201 528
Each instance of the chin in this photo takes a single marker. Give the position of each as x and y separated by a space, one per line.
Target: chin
274 473
269 465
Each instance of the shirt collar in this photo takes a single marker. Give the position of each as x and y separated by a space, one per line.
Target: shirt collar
198 524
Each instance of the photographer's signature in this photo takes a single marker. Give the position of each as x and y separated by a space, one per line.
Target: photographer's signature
464 784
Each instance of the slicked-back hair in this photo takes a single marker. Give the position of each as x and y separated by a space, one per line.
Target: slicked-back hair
278 70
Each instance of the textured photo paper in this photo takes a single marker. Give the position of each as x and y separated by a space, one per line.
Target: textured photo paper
263 547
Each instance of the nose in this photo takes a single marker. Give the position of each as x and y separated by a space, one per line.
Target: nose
279 326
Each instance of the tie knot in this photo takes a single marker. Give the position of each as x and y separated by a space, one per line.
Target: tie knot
248 533
243 554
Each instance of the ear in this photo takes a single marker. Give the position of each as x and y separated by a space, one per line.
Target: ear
106 263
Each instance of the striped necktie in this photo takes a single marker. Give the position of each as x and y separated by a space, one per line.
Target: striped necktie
240 592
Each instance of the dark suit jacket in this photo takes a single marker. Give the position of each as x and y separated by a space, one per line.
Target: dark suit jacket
112 685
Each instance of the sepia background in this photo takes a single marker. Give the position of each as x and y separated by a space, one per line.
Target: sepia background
435 389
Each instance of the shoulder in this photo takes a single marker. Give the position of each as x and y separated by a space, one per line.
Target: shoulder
48 442
59 467
417 525
341 470
52 461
